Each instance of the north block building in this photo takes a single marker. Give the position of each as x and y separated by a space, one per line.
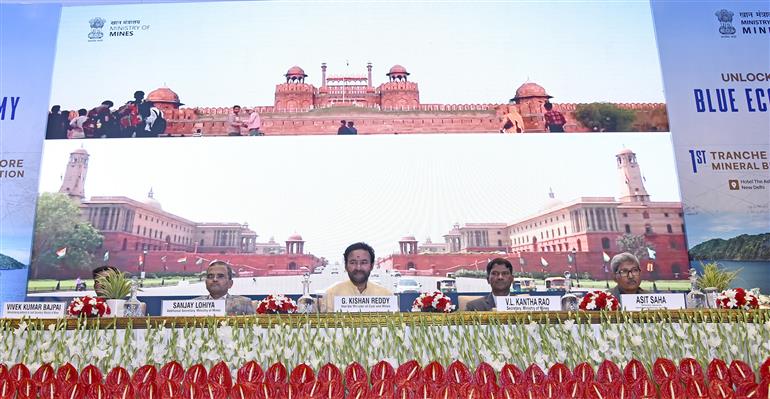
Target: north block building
584 227
141 235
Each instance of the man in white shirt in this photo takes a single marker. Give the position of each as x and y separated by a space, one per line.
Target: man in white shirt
254 123
359 261
219 280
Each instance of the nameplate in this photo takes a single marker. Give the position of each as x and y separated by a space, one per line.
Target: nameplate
194 307
528 303
34 310
652 301
355 304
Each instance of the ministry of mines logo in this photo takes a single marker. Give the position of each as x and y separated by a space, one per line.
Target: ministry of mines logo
725 18
96 28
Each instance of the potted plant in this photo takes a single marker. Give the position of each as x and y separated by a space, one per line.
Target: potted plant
714 280
114 286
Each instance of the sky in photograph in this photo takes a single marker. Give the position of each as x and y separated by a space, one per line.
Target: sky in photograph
225 53
337 190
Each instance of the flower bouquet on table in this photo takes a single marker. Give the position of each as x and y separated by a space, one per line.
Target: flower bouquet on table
434 301
88 306
278 303
599 300
737 298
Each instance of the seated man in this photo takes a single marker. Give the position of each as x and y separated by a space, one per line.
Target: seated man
219 279
627 275
97 273
500 278
359 261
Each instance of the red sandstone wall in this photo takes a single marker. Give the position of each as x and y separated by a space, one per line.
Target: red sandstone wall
256 265
591 262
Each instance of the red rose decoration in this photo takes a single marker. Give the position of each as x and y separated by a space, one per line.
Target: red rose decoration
434 301
599 300
273 304
88 306
737 298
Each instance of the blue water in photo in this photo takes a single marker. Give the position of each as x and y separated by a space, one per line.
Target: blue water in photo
752 275
13 285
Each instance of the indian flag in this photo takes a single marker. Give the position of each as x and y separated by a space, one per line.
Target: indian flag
543 262
650 253
605 257
199 261
182 260
61 252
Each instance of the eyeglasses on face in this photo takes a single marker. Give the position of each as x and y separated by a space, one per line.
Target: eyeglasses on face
629 273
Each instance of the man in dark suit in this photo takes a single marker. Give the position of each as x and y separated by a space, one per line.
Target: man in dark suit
628 275
219 280
500 278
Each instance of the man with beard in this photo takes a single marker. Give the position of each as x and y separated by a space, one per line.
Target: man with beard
500 278
359 261
219 280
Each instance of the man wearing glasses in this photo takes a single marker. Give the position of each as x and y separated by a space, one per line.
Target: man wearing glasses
219 280
359 261
627 274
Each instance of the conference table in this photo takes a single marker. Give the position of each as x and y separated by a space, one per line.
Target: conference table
497 345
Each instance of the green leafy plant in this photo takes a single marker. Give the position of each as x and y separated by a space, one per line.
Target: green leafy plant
113 284
717 277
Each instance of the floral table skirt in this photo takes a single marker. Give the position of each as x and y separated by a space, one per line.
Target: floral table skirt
416 355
